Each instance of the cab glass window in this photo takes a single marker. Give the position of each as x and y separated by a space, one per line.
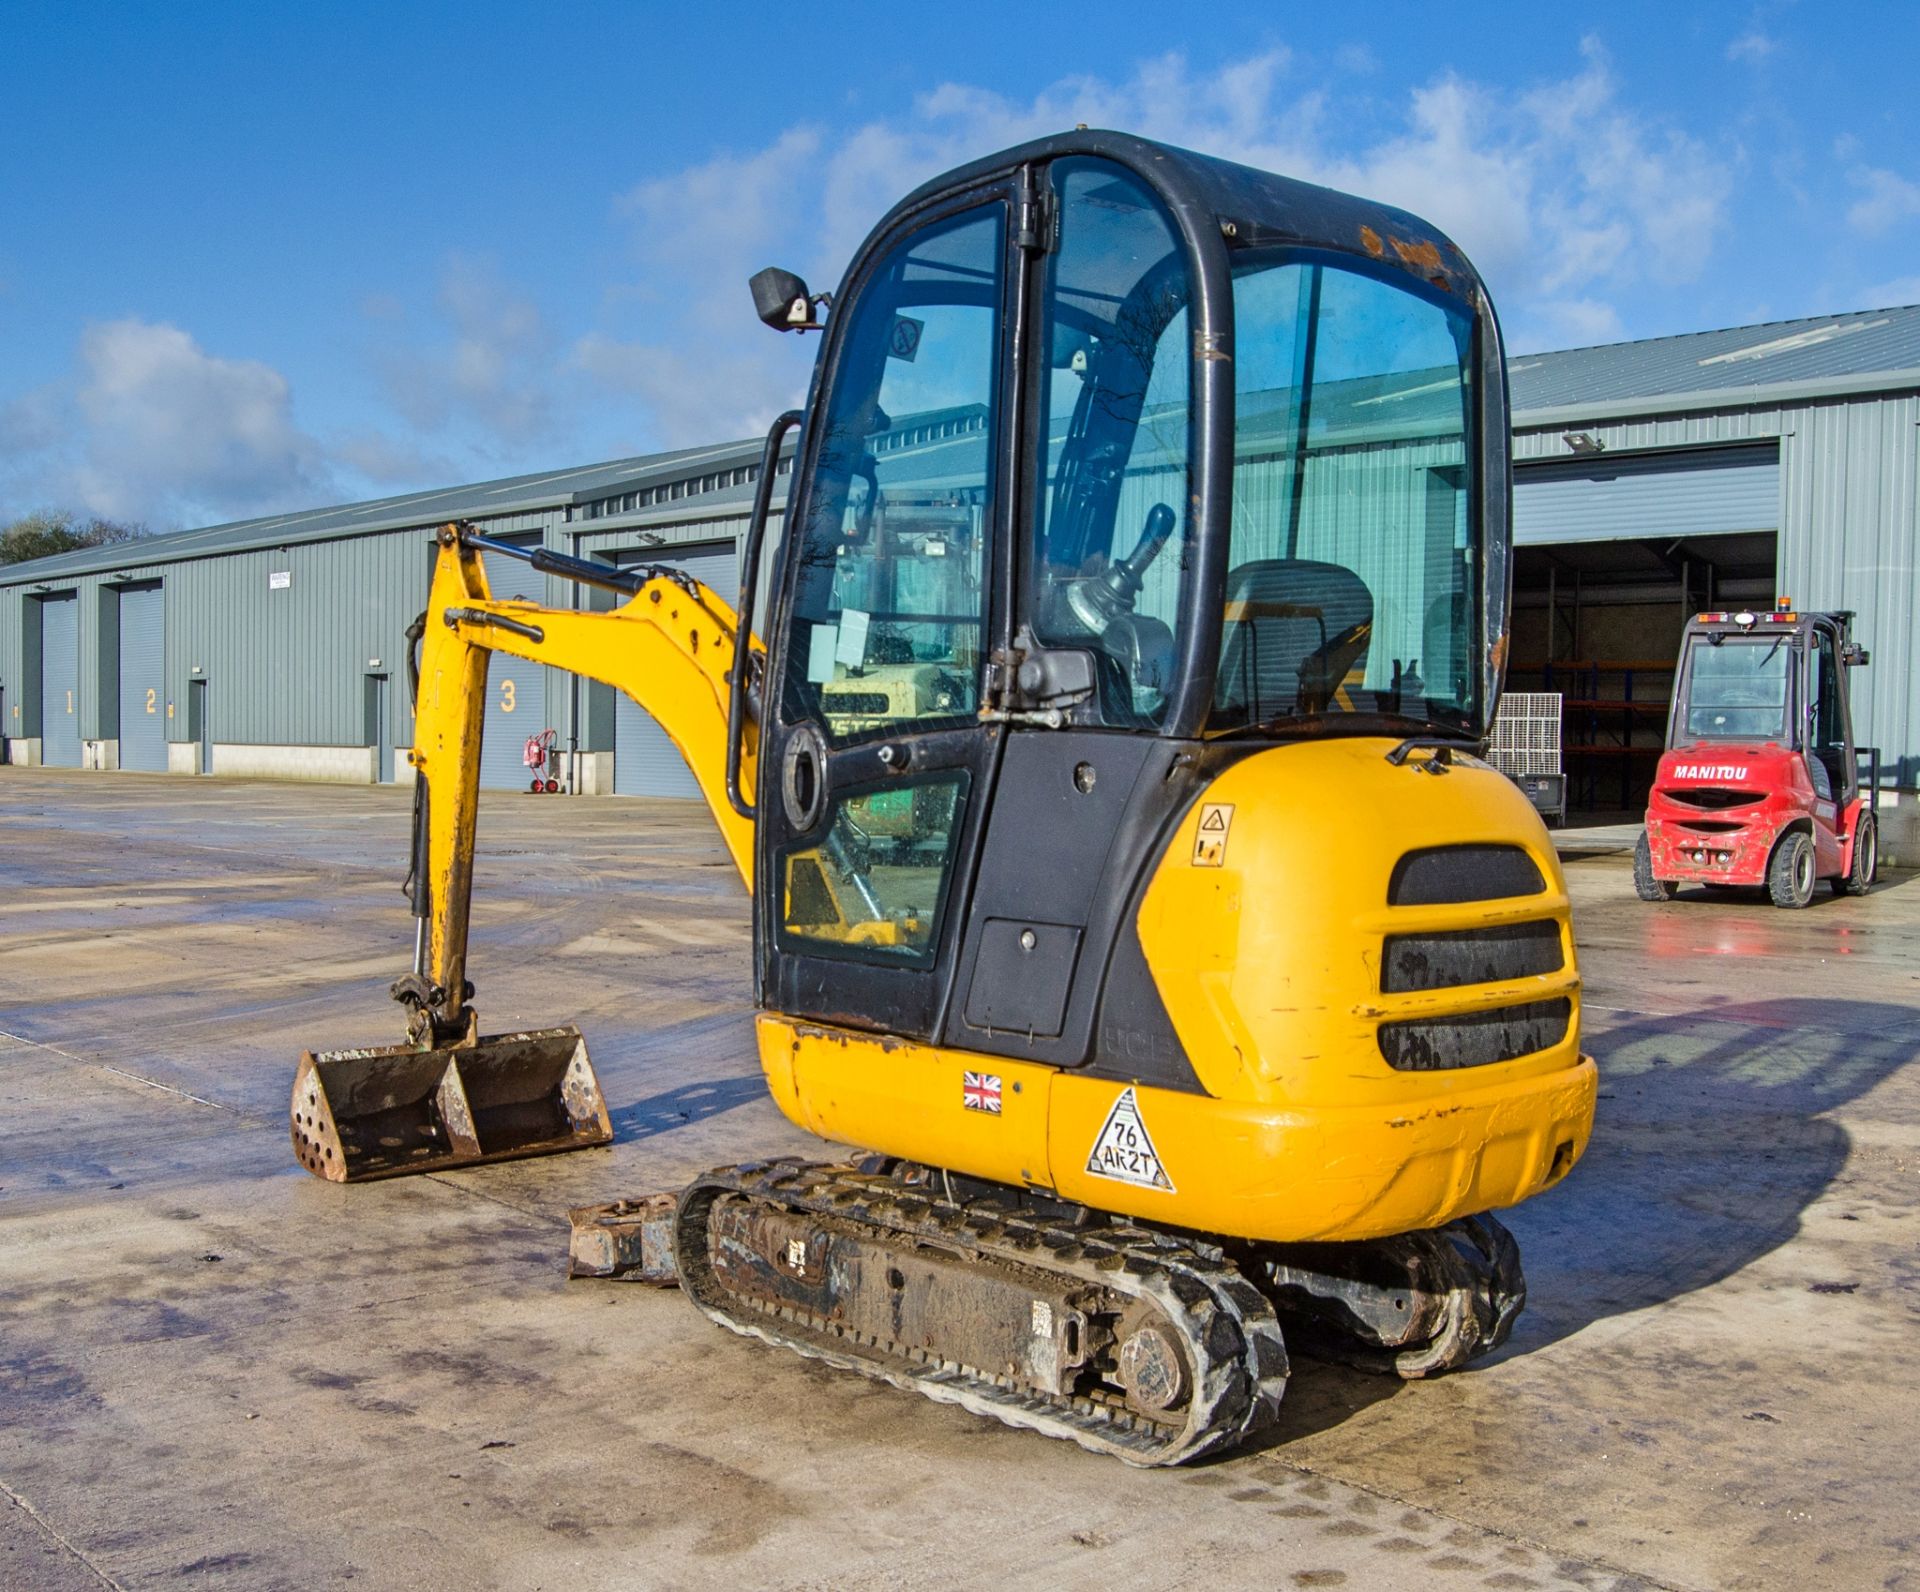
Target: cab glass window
1353 565
873 887
1111 522
1737 688
889 608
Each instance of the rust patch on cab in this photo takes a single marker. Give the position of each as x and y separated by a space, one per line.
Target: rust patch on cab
1425 255
1370 241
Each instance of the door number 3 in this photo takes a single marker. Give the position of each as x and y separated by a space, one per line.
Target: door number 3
506 696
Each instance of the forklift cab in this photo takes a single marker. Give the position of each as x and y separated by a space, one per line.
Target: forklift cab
1762 780
1120 462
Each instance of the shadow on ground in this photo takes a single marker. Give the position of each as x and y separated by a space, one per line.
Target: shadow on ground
1712 1139
682 1106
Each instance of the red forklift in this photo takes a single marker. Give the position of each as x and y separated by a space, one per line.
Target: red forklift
1762 784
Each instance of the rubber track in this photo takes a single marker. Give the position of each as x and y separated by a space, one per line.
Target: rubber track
1239 1358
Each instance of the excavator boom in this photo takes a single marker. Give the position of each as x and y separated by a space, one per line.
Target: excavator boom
449 1096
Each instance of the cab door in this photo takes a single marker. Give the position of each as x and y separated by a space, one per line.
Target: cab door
876 769
1830 761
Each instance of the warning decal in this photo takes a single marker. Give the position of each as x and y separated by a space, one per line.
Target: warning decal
1124 1150
1210 839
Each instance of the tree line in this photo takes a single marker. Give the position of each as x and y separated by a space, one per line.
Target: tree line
49 531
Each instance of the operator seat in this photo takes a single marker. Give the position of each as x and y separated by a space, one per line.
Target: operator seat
1295 629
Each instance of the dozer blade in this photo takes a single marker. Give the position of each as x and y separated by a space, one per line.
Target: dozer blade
394 1110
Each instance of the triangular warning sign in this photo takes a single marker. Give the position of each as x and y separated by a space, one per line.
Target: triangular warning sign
1215 819
1124 1150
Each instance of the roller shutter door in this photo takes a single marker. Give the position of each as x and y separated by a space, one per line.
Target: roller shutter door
645 761
516 689
143 704
1610 498
60 681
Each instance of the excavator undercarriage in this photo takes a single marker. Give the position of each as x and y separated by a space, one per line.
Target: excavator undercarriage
1126 1340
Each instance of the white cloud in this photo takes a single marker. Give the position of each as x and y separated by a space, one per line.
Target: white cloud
1901 290
697 397
154 427
389 461
483 368
1753 47
1564 195
1578 323
1887 200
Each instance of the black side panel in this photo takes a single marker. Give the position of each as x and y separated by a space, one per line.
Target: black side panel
1047 839
1079 820
890 1000
1136 1038
1022 976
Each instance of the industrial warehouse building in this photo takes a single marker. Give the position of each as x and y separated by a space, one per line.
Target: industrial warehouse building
274 648
1652 479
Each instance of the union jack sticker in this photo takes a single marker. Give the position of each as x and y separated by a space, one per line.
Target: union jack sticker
980 1091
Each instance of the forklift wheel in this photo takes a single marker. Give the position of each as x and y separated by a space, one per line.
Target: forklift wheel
1645 886
1858 879
1790 873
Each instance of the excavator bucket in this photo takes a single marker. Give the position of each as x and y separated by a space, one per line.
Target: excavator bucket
394 1110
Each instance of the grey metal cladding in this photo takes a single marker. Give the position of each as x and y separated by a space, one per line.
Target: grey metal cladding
1849 529
289 634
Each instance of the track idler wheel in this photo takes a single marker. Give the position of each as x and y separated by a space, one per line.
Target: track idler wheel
1413 1305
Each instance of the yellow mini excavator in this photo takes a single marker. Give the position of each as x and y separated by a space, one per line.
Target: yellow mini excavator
1124 877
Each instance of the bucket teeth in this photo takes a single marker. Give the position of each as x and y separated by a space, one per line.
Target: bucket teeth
394 1110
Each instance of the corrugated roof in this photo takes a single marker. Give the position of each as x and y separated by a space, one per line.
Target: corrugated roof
1737 364
512 495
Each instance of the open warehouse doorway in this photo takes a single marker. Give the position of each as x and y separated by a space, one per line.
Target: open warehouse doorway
1612 554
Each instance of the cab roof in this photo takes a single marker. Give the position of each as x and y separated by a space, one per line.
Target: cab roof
1250 208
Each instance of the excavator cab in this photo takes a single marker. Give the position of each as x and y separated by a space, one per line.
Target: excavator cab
1121 462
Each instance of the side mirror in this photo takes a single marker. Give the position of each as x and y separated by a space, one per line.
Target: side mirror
1853 655
781 300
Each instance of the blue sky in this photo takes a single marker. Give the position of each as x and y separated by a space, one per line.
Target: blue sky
272 255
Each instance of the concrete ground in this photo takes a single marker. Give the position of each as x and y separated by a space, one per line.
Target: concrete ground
216 1371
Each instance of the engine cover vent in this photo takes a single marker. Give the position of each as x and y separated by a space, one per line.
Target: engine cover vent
1470 956
1475 1039
1449 875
